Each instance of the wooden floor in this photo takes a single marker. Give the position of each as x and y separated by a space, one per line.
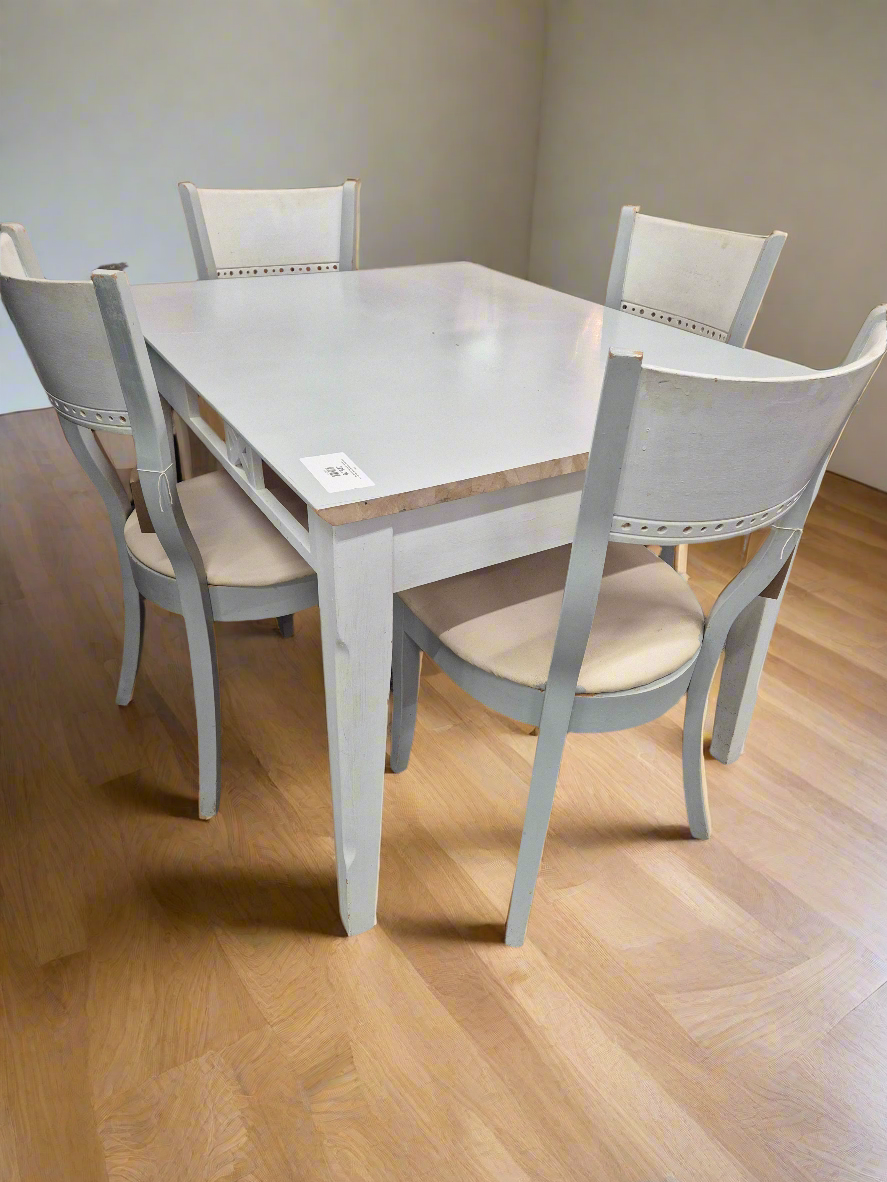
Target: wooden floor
179 1003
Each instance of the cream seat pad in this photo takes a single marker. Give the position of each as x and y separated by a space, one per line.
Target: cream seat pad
239 545
503 619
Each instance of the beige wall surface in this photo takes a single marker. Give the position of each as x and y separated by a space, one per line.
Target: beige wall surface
769 115
107 104
764 115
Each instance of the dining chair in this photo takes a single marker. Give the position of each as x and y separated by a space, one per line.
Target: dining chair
601 636
105 443
699 279
204 550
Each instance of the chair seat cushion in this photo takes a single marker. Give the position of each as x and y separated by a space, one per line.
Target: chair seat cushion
503 619
239 545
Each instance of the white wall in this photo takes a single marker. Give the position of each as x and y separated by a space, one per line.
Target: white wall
767 116
107 104
764 115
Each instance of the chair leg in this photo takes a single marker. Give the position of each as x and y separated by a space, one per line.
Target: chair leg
133 633
681 557
676 557
406 666
183 445
695 787
546 766
744 658
285 624
205 676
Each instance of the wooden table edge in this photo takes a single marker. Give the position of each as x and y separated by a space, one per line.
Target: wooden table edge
439 494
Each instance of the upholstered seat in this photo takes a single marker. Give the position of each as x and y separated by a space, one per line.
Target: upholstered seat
231 563
601 637
503 619
239 545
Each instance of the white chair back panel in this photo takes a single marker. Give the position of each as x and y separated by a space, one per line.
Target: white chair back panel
255 229
711 457
62 330
692 272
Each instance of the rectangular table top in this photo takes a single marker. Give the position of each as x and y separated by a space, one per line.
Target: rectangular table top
437 381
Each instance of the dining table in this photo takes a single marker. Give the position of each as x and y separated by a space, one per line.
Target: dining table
399 426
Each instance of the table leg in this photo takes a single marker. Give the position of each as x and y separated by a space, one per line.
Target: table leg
183 440
355 590
744 656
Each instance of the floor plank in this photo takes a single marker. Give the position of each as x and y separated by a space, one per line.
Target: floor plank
177 1000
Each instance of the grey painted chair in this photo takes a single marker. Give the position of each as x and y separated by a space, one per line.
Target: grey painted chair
696 278
602 637
86 381
253 233
214 556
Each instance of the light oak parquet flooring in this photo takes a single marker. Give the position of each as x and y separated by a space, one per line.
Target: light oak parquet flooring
177 1001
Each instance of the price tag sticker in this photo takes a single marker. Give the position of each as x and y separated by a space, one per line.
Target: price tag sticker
336 472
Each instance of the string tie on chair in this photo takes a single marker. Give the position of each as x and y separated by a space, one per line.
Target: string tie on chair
162 478
789 529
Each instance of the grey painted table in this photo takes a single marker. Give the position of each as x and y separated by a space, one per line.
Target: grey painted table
446 413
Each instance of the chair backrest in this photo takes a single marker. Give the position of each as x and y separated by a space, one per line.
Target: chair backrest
695 278
60 325
711 457
61 328
252 233
704 464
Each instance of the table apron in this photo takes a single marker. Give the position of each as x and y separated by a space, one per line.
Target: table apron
235 454
431 543
459 536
